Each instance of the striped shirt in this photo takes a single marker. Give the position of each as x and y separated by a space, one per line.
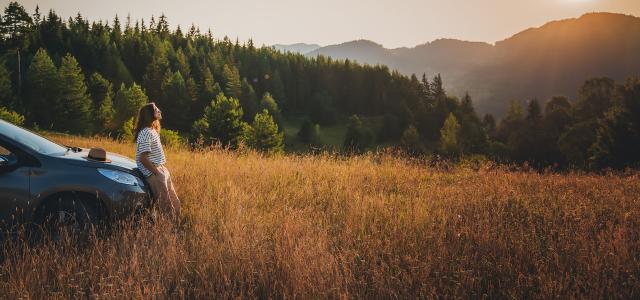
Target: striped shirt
149 141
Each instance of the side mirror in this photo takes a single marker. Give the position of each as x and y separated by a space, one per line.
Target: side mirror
7 163
4 163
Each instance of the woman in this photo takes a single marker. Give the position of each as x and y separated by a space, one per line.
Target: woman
150 160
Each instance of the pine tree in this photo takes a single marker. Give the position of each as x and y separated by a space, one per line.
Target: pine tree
528 146
114 68
175 99
617 141
390 129
76 111
309 132
15 24
124 110
431 115
534 113
436 88
128 102
126 130
594 99
449 136
466 106
210 88
208 91
222 122
513 132
357 138
36 16
472 137
116 32
163 27
248 100
192 89
557 113
426 93
43 90
576 140
321 109
155 74
263 134
514 112
101 93
277 87
410 140
6 92
557 117
231 77
182 64
199 132
271 106
104 116
152 24
489 125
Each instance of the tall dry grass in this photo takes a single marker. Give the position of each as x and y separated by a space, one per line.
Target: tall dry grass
368 226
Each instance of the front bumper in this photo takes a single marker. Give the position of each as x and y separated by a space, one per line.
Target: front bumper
123 201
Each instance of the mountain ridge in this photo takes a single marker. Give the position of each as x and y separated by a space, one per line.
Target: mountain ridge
296 48
537 62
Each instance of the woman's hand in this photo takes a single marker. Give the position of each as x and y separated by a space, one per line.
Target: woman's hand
146 162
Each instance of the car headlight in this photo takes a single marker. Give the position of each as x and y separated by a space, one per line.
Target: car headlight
120 177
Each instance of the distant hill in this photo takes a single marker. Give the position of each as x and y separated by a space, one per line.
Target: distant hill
446 56
554 59
363 51
557 58
301 48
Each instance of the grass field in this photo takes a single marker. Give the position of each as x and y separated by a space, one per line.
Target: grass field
367 226
332 137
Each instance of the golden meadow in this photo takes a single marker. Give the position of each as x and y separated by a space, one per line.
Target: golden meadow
295 226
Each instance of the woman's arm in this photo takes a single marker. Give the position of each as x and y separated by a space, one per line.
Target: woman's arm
146 162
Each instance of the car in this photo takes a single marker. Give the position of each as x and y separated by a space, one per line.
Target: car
64 187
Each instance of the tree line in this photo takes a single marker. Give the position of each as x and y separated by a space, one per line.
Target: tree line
87 77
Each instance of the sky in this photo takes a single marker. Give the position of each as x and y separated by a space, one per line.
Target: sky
392 23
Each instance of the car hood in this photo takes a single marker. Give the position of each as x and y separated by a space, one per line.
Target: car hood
116 161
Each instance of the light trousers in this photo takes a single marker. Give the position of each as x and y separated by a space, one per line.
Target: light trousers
164 193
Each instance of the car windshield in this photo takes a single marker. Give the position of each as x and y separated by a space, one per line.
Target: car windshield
30 139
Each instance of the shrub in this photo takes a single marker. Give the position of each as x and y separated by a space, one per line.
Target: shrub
170 138
410 140
263 134
126 132
357 138
309 132
11 116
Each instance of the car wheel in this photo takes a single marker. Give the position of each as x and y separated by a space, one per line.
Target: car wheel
69 216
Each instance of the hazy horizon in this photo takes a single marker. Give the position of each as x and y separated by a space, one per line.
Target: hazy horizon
396 24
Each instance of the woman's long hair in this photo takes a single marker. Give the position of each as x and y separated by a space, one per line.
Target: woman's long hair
146 118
